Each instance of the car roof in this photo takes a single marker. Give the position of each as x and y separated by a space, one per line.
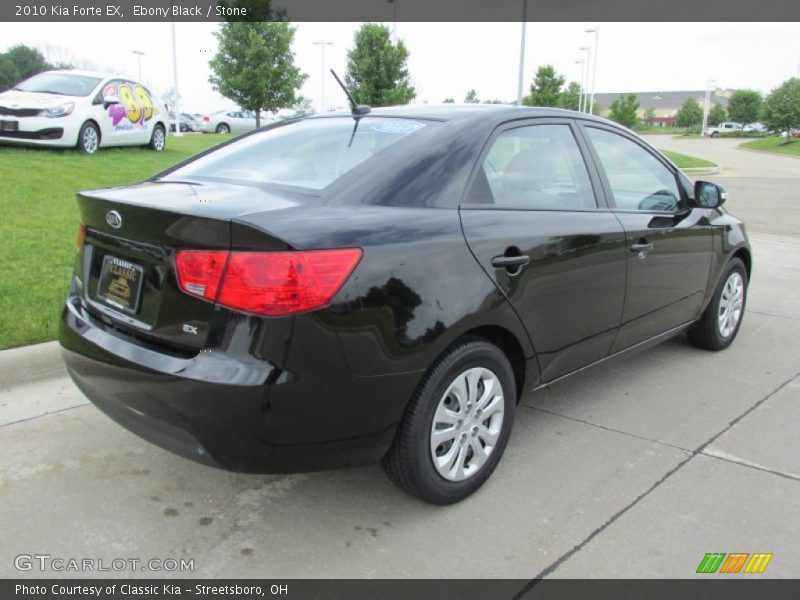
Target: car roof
98 74
460 112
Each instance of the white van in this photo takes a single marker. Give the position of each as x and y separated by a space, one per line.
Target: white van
82 109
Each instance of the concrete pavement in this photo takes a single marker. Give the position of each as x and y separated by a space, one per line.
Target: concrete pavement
633 469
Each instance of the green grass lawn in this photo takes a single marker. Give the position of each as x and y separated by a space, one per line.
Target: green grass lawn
775 143
684 161
39 221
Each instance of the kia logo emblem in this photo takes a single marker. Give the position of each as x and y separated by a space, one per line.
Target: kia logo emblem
114 219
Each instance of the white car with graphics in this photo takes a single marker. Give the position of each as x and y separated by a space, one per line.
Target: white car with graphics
81 109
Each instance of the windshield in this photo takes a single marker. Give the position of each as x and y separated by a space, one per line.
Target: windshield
65 84
312 153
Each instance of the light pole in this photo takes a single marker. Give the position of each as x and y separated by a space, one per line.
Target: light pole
596 32
177 108
580 96
588 59
322 44
394 28
705 107
139 54
522 52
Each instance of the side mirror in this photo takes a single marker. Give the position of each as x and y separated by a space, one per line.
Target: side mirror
709 195
109 100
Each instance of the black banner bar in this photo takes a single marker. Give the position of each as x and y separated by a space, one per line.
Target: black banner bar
711 11
702 588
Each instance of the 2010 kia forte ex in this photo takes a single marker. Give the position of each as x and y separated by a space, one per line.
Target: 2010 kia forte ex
385 285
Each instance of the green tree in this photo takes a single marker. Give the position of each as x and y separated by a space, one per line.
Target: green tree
377 74
546 87
254 66
494 101
471 97
28 61
449 100
782 107
650 116
689 115
717 115
624 109
570 97
744 106
9 75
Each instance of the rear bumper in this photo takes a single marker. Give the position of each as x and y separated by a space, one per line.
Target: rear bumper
238 413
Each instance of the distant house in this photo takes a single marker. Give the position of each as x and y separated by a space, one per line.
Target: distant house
665 104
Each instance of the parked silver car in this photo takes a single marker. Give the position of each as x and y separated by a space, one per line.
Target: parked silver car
232 121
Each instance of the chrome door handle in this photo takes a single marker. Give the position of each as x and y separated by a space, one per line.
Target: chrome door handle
505 262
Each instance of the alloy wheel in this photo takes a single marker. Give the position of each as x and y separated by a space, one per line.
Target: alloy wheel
731 303
90 140
467 424
158 138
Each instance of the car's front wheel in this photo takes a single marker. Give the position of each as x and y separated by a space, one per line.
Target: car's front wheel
722 318
456 426
158 139
89 138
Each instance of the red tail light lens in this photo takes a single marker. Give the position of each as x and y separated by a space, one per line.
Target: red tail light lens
200 271
267 283
206 119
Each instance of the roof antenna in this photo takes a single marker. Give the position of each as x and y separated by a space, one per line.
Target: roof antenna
357 110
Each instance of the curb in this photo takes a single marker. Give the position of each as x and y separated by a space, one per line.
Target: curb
30 364
702 170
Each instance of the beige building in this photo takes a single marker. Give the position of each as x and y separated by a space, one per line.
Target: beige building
665 104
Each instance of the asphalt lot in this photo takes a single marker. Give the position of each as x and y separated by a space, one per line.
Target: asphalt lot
633 469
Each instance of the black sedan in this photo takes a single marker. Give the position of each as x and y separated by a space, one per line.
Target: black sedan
342 289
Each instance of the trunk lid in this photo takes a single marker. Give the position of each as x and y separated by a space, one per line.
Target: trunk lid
127 268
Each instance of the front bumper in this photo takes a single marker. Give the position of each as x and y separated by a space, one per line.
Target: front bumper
236 412
42 131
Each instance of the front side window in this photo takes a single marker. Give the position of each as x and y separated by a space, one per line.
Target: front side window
311 153
638 180
537 167
63 84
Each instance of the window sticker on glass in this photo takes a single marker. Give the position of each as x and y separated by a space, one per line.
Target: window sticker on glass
397 126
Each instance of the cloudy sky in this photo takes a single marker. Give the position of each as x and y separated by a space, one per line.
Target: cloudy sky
447 59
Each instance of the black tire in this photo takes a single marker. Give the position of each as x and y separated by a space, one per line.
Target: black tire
223 128
158 139
409 462
706 332
88 138
714 134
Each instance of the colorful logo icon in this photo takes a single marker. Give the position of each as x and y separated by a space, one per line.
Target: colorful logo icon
736 562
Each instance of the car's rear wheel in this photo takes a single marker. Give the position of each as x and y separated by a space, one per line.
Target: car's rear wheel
715 134
158 139
456 426
720 322
223 128
89 138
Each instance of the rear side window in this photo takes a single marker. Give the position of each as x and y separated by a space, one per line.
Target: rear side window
535 167
638 180
309 154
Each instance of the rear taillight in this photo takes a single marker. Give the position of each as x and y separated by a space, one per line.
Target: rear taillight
200 271
206 119
266 283
80 237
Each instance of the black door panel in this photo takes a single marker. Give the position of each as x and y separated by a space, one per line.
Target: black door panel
571 292
669 242
666 283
